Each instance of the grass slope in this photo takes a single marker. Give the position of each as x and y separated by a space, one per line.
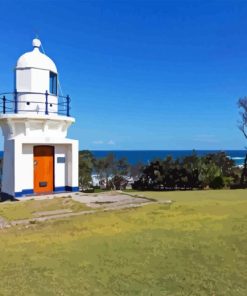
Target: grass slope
25 210
196 246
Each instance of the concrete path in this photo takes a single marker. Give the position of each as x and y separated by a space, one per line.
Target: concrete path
107 201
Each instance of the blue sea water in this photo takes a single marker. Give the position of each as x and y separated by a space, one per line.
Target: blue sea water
145 156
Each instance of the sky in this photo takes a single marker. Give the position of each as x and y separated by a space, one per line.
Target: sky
155 75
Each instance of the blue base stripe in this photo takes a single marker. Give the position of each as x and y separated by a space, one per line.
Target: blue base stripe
60 189
72 189
66 188
18 194
25 192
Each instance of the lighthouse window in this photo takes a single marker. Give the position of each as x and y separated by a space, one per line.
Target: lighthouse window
53 83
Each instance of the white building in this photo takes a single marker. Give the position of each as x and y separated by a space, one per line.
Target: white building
38 158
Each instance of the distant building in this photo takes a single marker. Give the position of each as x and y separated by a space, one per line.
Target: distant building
38 158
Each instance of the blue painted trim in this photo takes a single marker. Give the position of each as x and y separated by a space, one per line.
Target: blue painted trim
27 191
18 194
58 189
72 189
23 192
66 188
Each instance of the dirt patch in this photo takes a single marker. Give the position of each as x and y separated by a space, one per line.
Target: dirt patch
3 223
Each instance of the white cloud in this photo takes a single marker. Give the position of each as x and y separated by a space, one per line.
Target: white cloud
206 138
110 142
98 142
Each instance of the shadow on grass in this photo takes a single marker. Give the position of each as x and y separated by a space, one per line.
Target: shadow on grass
7 197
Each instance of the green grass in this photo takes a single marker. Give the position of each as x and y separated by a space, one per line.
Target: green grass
196 195
98 190
25 210
196 246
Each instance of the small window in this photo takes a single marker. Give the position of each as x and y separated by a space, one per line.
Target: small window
53 83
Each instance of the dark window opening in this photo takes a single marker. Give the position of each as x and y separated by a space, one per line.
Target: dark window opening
53 83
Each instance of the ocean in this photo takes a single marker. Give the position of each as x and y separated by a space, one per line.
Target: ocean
145 156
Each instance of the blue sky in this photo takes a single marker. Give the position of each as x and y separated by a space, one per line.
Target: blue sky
141 74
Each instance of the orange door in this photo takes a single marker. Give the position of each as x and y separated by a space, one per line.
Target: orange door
43 168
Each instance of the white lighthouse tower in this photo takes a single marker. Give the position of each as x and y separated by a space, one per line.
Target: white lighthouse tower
38 158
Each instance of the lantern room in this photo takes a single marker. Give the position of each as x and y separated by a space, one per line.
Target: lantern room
36 74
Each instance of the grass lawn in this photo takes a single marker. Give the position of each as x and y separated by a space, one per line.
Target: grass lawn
196 246
28 209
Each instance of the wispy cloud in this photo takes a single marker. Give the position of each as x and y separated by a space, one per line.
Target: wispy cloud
111 142
98 142
101 142
206 138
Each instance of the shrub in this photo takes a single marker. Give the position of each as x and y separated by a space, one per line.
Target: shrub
89 190
238 186
228 181
217 183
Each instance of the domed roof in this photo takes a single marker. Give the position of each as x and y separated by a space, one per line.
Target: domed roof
36 59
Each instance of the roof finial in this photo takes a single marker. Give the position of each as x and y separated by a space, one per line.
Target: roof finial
36 43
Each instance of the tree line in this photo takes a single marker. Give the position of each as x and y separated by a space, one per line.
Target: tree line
112 173
214 170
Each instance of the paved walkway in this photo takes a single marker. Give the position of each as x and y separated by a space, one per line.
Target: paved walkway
107 201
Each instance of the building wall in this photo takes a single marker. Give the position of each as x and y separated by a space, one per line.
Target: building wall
24 160
39 80
23 80
61 177
21 134
18 171
8 168
74 161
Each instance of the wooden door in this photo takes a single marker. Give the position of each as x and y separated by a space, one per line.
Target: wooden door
43 157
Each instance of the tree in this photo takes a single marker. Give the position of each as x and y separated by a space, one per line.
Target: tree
242 105
86 164
118 183
208 172
111 172
120 171
192 164
211 170
122 167
217 183
136 170
225 163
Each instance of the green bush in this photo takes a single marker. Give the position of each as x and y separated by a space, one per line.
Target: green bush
89 190
228 181
217 183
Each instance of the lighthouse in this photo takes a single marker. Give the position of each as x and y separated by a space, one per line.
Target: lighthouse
38 157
